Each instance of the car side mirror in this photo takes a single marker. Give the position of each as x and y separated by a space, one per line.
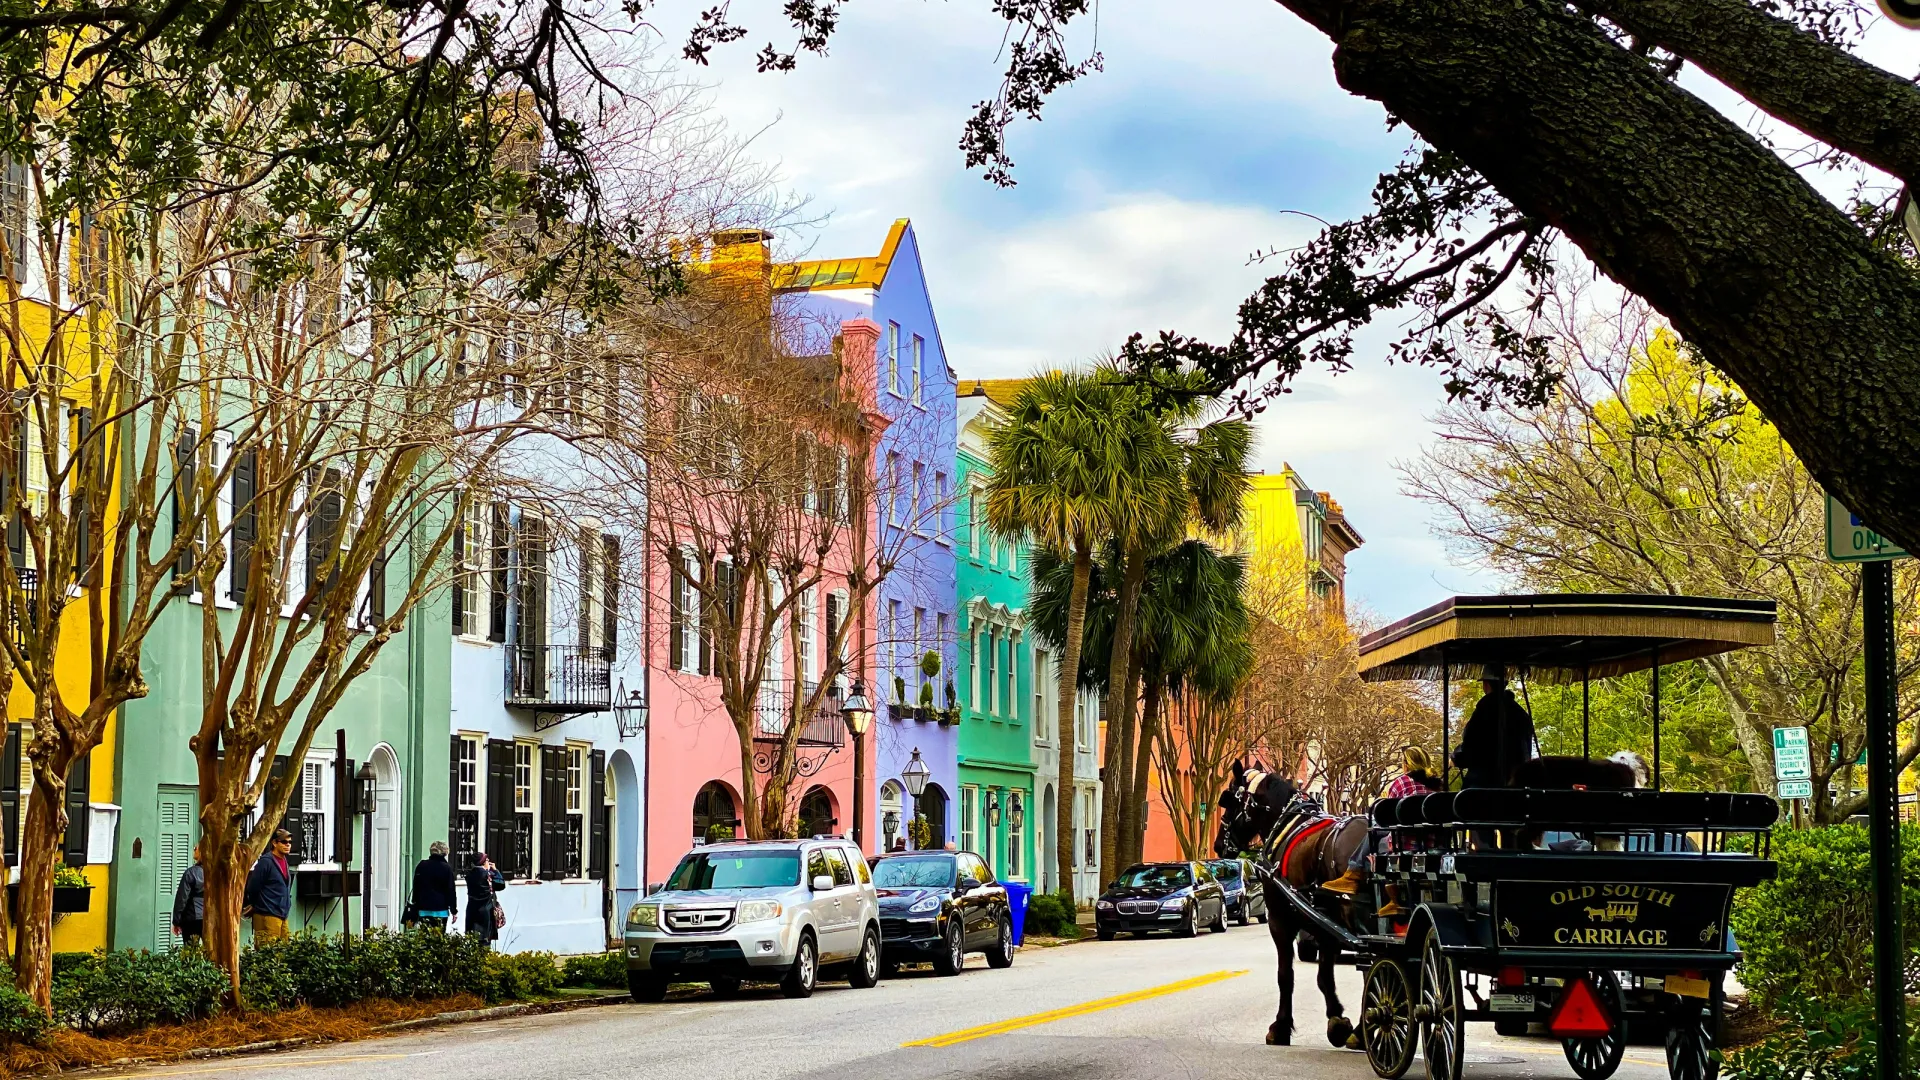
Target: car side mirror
655 887
967 884
822 882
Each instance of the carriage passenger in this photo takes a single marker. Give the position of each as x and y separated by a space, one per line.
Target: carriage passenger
1415 779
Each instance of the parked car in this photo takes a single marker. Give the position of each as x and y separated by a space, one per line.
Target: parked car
1245 901
938 906
1176 896
787 911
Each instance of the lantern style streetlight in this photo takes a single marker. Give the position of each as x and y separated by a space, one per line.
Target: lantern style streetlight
993 809
915 777
858 713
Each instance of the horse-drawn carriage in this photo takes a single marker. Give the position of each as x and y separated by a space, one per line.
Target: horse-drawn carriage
1596 913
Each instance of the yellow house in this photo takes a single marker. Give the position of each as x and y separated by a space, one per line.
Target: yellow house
1296 539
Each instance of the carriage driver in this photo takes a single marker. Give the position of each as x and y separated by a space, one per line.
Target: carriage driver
1499 735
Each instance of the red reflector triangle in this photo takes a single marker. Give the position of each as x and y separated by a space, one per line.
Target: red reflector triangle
1578 1014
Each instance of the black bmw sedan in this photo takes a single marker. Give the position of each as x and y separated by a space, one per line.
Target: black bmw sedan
938 906
1177 896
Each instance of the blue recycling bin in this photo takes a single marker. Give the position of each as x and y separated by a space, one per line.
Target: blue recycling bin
1017 895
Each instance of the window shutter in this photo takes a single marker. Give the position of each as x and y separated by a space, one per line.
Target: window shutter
500 802
710 616
377 587
460 851
82 481
10 794
553 812
284 771
597 852
533 582
78 812
183 489
676 610
323 530
610 594
460 577
833 649
497 576
246 522
343 784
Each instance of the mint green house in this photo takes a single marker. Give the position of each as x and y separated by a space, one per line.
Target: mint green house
998 816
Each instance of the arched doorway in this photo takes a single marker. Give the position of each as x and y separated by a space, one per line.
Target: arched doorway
1049 819
892 824
715 816
384 859
819 814
623 787
933 807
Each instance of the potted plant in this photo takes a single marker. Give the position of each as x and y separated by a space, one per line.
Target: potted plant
930 668
900 696
719 832
72 892
950 716
920 832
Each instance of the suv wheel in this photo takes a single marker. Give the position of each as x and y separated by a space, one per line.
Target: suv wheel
645 986
805 969
1001 955
865 971
952 958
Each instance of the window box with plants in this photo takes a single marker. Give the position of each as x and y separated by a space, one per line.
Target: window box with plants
72 892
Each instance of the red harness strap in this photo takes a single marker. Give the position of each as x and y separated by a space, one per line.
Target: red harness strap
1286 856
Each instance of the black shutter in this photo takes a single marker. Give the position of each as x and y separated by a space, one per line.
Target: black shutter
343 785
500 804
377 587
183 491
709 617
10 794
246 522
597 860
325 505
676 609
497 576
610 594
833 651
295 818
553 812
82 481
459 565
533 582
74 847
459 843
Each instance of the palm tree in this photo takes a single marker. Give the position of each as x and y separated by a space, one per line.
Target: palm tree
1059 478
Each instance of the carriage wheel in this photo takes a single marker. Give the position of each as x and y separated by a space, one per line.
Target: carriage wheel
1693 1037
1597 1059
1386 1019
1442 1031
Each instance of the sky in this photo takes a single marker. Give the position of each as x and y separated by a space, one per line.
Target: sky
1215 131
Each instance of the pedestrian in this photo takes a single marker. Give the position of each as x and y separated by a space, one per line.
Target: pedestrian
1415 778
433 899
190 902
484 915
269 896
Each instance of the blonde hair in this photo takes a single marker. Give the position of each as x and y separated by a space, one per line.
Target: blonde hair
1413 759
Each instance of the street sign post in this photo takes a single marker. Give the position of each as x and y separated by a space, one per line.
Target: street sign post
1851 540
1791 761
1796 789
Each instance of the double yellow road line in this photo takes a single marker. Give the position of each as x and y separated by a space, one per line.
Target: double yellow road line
1034 1020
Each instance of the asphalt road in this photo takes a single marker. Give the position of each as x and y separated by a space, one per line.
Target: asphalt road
1188 1009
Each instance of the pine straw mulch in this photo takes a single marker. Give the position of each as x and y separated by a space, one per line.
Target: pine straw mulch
67 1049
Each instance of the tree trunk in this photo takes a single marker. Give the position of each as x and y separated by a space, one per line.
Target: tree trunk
1120 772
1069 689
223 856
1119 707
1774 284
40 845
1136 811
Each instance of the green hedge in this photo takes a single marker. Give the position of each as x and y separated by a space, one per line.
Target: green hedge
605 971
22 1020
1052 915
1808 934
1820 1042
117 991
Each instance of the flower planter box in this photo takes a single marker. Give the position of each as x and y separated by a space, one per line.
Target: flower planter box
72 899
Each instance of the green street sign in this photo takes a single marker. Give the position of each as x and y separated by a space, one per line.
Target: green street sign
1850 540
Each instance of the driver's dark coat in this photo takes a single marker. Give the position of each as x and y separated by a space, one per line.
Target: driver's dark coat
1499 736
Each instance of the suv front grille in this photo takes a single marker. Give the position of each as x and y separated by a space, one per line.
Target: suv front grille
705 920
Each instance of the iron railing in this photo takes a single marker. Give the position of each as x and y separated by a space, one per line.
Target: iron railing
825 728
559 678
29 586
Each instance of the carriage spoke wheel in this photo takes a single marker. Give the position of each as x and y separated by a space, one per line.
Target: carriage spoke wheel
1442 1031
1386 1019
1692 1037
1599 1058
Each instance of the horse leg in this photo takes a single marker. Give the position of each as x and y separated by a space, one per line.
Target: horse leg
1339 1028
1282 929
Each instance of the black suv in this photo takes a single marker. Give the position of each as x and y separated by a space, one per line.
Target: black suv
1177 896
938 906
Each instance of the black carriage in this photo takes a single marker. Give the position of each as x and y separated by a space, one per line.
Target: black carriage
1598 913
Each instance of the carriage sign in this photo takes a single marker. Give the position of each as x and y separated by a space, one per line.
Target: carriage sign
1791 758
1850 540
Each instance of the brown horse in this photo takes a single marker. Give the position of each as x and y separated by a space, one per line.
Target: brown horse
1303 845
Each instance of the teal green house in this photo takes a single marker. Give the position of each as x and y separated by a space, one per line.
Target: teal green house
998 816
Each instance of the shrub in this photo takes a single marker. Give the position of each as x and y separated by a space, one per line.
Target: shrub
414 964
1808 934
1820 1042
1052 915
129 989
521 976
603 970
22 1020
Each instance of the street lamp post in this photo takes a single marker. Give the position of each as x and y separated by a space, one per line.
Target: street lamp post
915 775
858 714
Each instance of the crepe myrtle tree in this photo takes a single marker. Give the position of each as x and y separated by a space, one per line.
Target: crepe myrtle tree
1539 120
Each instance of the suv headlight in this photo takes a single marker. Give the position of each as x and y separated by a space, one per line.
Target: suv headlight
758 911
643 917
924 905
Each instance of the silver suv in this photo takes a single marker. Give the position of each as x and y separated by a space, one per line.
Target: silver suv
778 910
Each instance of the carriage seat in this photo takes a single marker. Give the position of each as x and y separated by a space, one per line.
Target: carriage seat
1579 810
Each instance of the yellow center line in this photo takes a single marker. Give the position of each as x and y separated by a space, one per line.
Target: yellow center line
1003 1026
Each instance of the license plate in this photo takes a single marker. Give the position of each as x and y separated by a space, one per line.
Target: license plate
695 954
1685 987
1510 1003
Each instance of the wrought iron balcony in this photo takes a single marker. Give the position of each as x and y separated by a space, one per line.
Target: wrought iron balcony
559 679
820 734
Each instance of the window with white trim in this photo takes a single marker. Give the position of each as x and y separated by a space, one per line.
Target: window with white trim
1016 837
919 359
893 358
1041 728
919 675
683 638
463 831
896 499
804 614
969 817
523 776
315 842
576 810
940 509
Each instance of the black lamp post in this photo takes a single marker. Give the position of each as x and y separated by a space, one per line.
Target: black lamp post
858 714
915 776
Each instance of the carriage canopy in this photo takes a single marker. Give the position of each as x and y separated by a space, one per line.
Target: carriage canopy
1563 637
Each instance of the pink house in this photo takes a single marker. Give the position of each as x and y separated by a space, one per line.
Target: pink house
695 777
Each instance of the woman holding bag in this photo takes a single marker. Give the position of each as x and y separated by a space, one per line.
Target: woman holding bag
484 915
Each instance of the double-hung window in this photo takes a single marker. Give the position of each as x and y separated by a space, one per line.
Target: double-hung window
520 861
919 359
463 829
576 810
969 817
893 358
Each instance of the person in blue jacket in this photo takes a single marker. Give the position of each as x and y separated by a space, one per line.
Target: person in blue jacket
269 896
